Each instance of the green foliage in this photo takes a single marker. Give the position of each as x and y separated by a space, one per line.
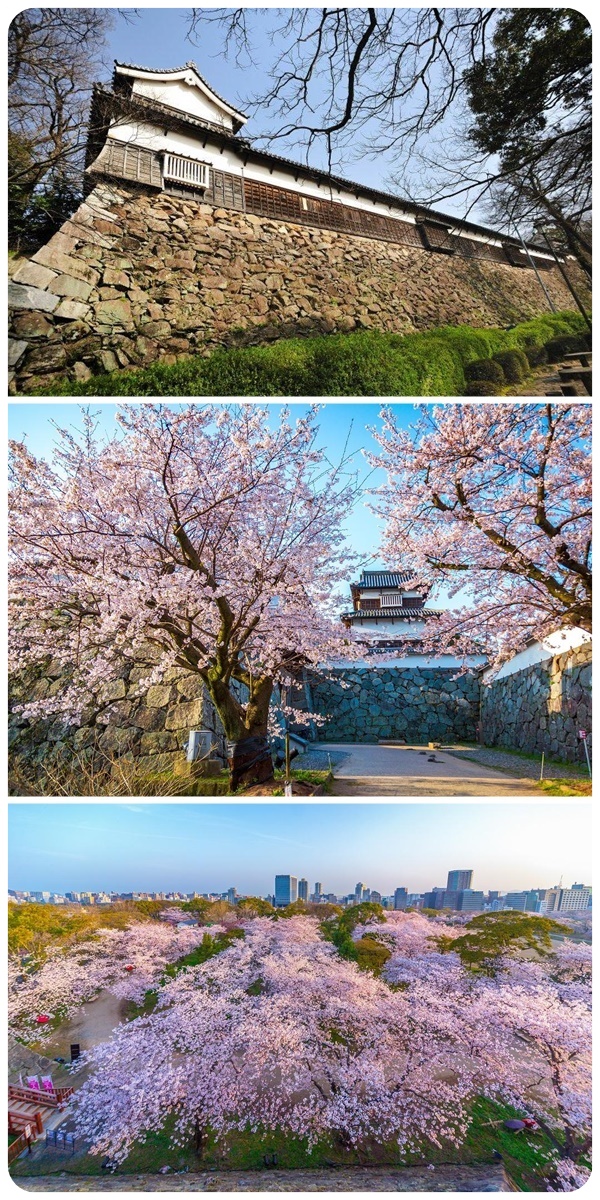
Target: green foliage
33 927
537 356
253 906
357 364
150 908
368 953
371 955
492 935
557 347
484 368
198 906
514 364
360 914
540 60
209 947
481 387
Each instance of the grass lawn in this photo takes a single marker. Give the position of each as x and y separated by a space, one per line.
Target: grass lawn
218 785
524 1154
566 787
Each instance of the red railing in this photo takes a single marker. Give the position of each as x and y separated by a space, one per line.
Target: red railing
54 1099
16 1121
16 1148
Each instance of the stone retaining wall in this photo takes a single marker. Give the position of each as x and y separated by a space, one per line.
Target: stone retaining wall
414 704
542 707
148 732
137 276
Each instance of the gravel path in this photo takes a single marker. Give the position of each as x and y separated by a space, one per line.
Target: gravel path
318 760
485 1178
401 770
519 768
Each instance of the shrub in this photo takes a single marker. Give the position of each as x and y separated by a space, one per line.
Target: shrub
484 368
481 387
536 355
514 364
363 363
557 347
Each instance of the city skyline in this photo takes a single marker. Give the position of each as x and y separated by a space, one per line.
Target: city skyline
211 847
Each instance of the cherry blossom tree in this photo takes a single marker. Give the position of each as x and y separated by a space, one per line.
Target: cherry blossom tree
126 963
526 1029
494 501
277 1032
199 538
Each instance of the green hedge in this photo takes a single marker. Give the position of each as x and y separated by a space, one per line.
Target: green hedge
356 364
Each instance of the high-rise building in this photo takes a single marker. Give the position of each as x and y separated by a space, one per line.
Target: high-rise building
318 890
575 899
459 881
359 891
286 890
232 895
470 901
522 901
375 897
303 889
400 898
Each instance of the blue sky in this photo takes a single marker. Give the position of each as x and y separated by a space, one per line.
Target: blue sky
205 847
336 423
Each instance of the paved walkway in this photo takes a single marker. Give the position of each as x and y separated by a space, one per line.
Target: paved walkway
409 771
485 1178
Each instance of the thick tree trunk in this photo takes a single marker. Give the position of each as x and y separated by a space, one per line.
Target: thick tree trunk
250 761
248 750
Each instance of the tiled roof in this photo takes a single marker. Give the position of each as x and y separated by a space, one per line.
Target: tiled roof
188 66
384 579
404 614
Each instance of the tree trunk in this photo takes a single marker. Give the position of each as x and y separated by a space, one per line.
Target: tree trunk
248 750
250 761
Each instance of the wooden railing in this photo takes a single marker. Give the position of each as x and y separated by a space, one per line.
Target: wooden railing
34 1095
16 1121
16 1148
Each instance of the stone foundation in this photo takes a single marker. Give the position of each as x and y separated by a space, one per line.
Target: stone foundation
149 732
137 276
414 705
542 707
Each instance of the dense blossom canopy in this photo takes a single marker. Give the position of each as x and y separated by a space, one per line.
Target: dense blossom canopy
69 976
496 500
280 1031
200 537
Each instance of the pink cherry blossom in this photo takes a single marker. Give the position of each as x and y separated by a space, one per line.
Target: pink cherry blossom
494 499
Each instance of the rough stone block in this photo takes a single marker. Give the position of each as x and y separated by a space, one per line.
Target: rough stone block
57 260
32 325
16 351
26 296
71 310
185 716
74 289
34 274
113 312
158 696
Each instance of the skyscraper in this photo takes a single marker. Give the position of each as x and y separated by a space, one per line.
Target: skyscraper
303 889
358 891
400 898
286 890
459 881
318 890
